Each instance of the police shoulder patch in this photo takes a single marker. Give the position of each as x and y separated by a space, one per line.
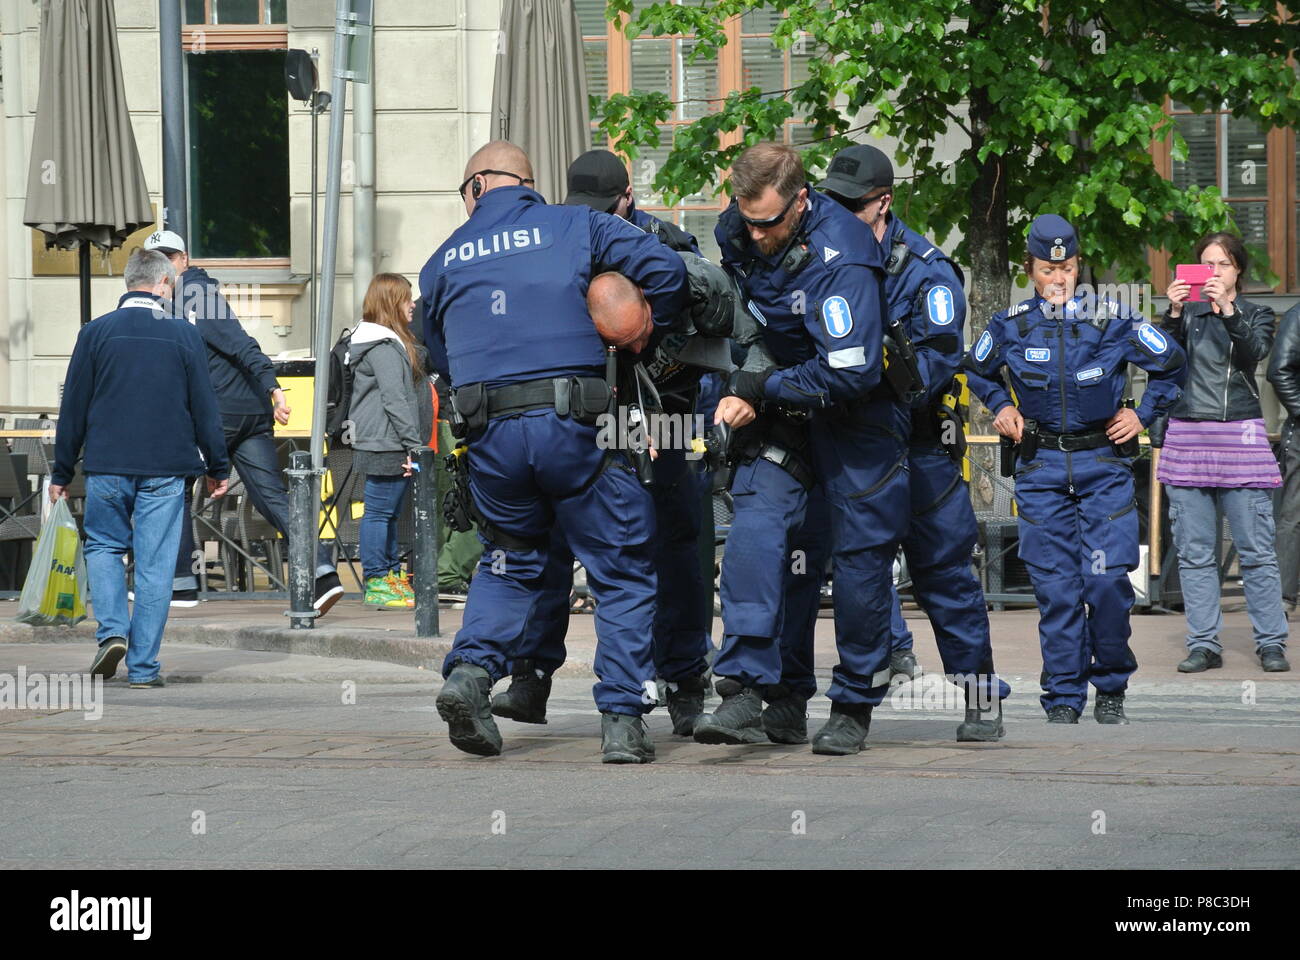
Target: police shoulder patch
983 347
939 304
1154 340
837 317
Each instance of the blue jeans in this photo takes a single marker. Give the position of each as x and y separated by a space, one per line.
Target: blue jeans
143 515
384 498
252 449
1194 511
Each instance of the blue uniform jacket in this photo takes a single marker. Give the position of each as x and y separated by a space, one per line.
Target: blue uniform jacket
822 323
504 299
926 294
138 397
1069 372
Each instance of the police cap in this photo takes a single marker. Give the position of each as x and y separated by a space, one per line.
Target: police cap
1051 238
596 179
857 170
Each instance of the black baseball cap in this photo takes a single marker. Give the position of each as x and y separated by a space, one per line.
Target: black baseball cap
857 170
596 179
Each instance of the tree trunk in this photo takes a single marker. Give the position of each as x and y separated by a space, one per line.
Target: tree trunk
986 241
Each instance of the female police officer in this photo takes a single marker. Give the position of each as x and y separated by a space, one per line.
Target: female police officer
1067 358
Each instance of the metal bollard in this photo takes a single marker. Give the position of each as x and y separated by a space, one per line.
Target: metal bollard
424 552
304 504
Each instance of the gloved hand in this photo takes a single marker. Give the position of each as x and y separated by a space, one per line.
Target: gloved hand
748 384
713 304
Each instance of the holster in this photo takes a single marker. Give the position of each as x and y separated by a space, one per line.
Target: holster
780 437
461 513
1007 457
902 371
1029 441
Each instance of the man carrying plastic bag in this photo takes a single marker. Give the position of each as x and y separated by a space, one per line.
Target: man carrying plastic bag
138 398
53 595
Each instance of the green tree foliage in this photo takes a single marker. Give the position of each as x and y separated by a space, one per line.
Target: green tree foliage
1061 102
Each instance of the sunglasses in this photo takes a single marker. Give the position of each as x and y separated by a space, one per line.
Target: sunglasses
769 221
483 173
860 204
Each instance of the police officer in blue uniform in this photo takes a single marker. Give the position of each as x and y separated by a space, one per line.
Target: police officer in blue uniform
814 280
1067 353
505 295
924 291
683 618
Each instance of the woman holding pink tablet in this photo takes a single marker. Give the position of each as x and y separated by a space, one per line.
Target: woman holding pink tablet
1217 458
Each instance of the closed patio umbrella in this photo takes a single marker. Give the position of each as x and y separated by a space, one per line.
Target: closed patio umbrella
539 95
85 183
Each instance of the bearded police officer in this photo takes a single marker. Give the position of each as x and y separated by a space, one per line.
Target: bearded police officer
674 364
814 281
1067 354
505 295
924 291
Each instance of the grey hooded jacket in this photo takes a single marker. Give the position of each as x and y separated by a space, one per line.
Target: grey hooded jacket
385 408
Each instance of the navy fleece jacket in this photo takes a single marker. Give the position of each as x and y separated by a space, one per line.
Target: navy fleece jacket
139 399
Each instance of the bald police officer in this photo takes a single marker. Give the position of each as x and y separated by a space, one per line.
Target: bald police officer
505 299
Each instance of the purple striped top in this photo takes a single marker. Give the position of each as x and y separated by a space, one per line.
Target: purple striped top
1207 453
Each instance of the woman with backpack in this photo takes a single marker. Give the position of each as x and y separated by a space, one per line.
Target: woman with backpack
391 413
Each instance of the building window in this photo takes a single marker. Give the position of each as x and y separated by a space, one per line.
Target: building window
616 64
238 130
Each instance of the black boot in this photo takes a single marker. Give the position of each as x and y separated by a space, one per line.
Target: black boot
785 718
903 663
981 725
624 739
1273 658
463 704
845 733
1062 714
686 703
1109 708
737 720
525 699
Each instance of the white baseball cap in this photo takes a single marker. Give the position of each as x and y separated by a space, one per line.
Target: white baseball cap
165 241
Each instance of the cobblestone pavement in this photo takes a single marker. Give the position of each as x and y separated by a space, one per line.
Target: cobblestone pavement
262 761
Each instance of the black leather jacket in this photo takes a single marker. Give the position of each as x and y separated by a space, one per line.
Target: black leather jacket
1222 354
1284 366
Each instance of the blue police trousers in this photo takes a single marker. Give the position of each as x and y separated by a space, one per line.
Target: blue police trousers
1079 539
528 474
863 466
939 546
683 614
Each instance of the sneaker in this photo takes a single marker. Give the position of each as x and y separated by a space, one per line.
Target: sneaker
1062 714
1109 708
401 584
845 733
785 718
185 598
110 654
1273 659
380 593
454 596
148 684
624 739
903 663
1200 660
463 705
329 590
738 720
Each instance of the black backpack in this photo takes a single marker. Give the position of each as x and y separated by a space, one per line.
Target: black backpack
339 400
